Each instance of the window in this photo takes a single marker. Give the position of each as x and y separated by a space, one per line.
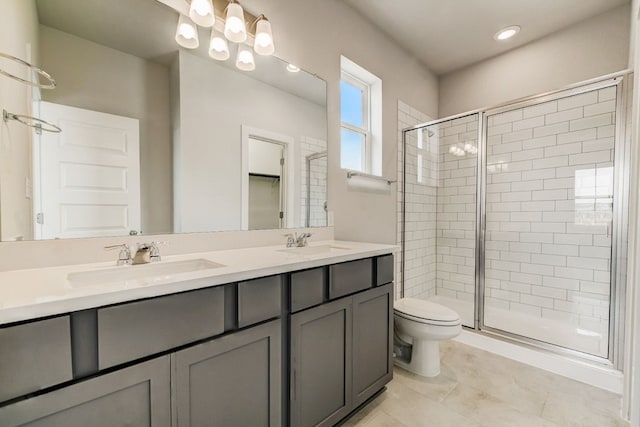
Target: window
360 119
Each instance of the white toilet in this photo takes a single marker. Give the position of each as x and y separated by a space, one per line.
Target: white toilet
423 324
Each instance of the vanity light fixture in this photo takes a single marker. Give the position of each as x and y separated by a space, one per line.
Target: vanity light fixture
293 68
263 43
245 60
235 29
229 23
506 33
218 46
187 33
201 12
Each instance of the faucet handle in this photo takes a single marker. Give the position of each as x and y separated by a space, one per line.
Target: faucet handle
124 256
291 239
154 251
304 237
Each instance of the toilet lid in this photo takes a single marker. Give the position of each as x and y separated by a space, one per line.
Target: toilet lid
422 309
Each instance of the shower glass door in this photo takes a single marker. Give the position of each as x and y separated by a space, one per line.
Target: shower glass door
549 219
439 238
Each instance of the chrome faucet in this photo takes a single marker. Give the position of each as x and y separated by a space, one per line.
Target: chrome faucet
146 253
124 256
297 240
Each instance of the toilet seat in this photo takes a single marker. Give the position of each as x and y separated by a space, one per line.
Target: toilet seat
426 312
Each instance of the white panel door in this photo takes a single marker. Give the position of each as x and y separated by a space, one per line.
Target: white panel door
89 174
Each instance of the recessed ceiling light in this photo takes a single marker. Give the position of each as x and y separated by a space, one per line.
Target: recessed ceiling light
292 68
506 33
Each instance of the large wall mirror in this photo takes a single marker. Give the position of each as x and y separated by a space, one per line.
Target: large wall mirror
160 139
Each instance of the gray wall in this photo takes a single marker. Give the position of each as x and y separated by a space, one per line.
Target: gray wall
591 48
99 78
312 34
215 102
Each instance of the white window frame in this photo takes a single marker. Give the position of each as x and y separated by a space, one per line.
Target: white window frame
365 130
371 87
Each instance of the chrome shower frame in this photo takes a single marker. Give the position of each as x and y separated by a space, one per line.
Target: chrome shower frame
615 357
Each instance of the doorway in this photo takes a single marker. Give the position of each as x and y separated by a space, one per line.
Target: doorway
267 180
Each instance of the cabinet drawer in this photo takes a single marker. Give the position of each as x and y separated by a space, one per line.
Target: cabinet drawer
134 396
350 277
258 300
130 331
34 356
307 288
384 270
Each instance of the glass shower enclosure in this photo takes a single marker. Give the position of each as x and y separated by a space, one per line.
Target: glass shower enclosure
514 217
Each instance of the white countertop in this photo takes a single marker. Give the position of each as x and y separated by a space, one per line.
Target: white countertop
33 293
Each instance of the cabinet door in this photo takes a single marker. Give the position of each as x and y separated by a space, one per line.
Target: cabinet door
321 364
234 380
135 396
372 342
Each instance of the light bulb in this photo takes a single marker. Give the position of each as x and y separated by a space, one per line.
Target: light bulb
201 7
506 33
293 68
263 44
201 11
245 61
218 46
187 33
235 29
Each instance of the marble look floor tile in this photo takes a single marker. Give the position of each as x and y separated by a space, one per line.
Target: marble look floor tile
413 409
478 388
490 411
375 419
434 388
580 409
500 377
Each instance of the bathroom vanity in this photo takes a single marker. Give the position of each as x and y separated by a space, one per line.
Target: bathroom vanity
260 336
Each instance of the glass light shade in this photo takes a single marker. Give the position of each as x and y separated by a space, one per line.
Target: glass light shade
201 12
187 33
245 61
235 29
218 46
263 44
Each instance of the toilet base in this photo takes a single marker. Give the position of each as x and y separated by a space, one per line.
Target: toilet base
425 359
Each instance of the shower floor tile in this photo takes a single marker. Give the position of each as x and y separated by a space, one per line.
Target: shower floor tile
477 388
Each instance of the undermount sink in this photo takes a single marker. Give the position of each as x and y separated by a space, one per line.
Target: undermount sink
314 250
150 272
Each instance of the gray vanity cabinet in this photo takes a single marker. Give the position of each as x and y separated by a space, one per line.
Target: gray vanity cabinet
372 342
135 396
340 356
320 364
234 380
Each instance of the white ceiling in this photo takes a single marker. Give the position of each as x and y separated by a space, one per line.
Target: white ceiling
450 34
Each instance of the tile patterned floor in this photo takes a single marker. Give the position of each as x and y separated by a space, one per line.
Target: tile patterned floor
477 388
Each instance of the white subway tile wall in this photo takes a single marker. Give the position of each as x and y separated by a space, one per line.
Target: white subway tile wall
420 236
318 182
456 209
549 211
